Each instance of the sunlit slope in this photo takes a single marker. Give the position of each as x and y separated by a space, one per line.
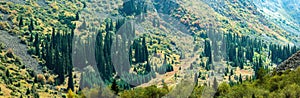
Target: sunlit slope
240 17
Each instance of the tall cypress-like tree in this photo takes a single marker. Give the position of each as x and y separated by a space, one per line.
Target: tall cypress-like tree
37 45
130 55
215 84
49 54
146 55
21 22
99 51
115 87
70 81
207 51
77 15
31 37
107 53
31 26
241 79
59 68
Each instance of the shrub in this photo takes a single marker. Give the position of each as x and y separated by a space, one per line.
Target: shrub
23 41
44 70
22 66
4 26
2 67
147 92
41 78
31 72
70 94
18 84
9 53
31 50
1 17
27 91
18 61
13 31
51 80
4 10
2 46
13 93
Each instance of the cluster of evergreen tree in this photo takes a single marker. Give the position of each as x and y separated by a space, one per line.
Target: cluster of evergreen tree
141 54
103 50
55 49
280 53
166 67
214 48
240 49
235 48
117 50
67 20
134 7
140 50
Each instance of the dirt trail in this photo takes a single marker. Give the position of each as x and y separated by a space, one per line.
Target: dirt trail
20 50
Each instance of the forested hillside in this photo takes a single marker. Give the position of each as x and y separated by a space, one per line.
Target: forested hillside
145 49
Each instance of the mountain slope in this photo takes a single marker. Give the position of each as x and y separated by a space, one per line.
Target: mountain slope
246 13
202 42
285 13
19 49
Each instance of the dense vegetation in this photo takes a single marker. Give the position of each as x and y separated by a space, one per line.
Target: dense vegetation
48 32
239 50
278 85
16 77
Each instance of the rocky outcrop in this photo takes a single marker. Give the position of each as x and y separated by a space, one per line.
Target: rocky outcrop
290 64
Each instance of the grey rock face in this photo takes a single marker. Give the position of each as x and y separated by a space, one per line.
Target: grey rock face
290 64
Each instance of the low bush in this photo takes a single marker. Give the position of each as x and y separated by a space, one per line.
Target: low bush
9 53
4 10
4 25
41 78
31 50
2 46
50 80
2 67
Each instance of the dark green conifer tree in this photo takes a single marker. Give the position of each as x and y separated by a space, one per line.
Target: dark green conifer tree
31 26
21 22
115 87
37 45
70 81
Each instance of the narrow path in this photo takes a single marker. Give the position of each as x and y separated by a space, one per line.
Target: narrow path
20 50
